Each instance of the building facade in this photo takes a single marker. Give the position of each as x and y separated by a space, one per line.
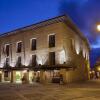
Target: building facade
96 69
43 51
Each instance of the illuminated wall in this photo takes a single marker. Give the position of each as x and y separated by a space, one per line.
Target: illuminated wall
62 48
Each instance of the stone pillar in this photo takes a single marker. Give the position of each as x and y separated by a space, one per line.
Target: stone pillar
9 77
63 73
2 76
42 76
13 76
27 76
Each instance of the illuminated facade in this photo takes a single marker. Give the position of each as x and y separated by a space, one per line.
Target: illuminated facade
97 68
44 51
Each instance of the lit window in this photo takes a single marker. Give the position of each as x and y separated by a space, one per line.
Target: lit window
33 44
51 40
19 47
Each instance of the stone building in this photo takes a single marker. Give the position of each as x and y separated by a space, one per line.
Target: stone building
43 51
97 68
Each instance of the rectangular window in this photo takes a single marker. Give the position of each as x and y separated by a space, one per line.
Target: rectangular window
19 62
7 63
52 58
33 44
51 40
34 62
19 47
7 50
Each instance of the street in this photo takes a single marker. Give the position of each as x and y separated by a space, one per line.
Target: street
76 91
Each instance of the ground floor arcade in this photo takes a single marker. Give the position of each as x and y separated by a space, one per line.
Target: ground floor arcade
44 74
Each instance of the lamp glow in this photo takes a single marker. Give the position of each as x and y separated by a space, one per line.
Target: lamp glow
98 68
98 27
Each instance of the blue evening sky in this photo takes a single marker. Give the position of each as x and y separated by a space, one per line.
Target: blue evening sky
85 13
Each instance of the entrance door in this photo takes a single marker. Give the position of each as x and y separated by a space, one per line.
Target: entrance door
18 77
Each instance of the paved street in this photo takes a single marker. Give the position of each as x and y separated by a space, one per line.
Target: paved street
76 91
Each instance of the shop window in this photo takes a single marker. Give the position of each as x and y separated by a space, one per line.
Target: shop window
51 40
52 58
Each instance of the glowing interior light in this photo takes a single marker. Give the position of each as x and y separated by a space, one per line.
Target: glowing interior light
18 77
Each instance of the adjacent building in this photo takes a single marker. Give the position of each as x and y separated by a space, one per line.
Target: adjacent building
97 68
44 51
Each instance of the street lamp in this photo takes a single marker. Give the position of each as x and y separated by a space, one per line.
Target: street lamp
98 27
98 68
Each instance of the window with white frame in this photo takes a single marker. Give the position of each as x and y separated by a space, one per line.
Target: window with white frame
33 44
52 40
7 48
19 47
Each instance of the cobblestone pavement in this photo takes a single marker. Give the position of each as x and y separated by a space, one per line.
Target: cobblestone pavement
77 91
